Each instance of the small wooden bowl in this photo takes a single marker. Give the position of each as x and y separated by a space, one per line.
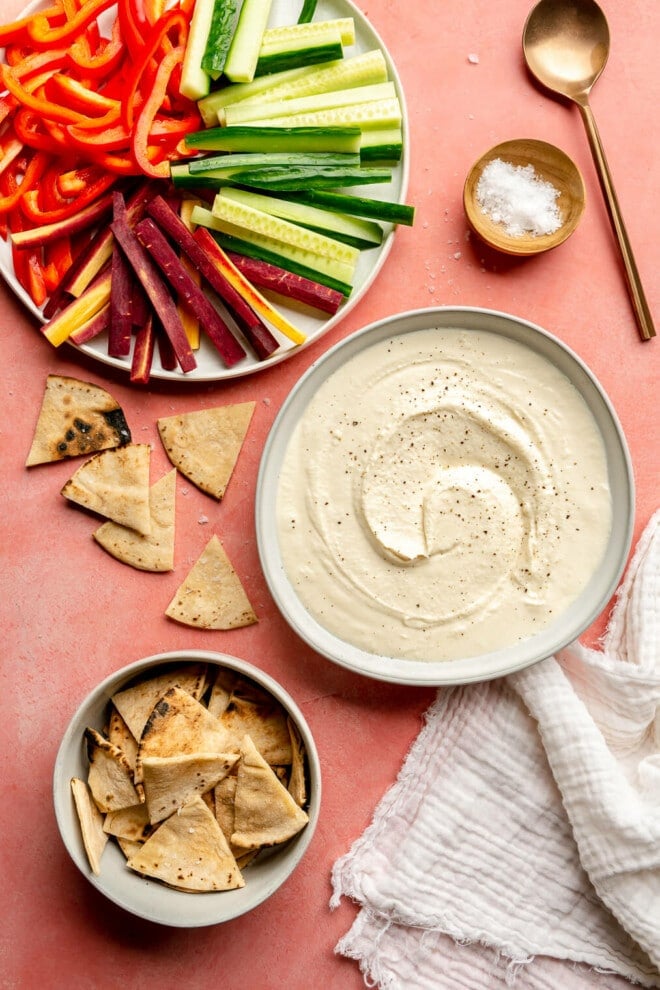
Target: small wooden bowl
550 164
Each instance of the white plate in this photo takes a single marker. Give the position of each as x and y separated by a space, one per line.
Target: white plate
209 364
568 626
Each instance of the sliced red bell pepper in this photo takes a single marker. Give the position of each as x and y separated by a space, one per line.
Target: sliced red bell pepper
39 62
33 172
104 61
17 31
29 128
61 88
140 138
38 216
131 27
158 34
46 108
43 35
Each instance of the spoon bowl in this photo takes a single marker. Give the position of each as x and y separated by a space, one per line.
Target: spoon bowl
551 165
566 44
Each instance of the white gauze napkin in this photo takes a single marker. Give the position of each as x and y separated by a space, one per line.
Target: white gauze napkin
521 840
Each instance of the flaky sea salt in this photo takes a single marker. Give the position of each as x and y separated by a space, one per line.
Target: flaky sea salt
519 199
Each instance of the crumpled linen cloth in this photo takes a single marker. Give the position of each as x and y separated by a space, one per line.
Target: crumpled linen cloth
520 844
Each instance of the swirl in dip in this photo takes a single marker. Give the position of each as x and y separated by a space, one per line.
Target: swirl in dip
445 494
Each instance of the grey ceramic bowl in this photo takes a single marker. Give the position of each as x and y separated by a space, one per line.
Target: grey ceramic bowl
151 899
568 626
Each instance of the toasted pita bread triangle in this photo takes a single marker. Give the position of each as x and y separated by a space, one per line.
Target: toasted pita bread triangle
136 703
189 852
121 736
154 552
109 778
129 823
128 846
91 823
264 811
204 445
212 596
297 785
253 712
115 484
171 781
76 418
179 725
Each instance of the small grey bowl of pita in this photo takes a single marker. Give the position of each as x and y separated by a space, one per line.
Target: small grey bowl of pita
187 788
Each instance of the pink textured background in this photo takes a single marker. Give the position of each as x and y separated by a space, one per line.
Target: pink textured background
71 614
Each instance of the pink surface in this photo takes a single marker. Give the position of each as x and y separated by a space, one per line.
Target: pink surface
71 614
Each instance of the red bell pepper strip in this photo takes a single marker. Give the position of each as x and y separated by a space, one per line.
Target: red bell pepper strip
158 34
11 149
79 97
29 128
140 138
53 111
16 32
80 220
39 217
38 62
131 28
33 172
44 36
104 61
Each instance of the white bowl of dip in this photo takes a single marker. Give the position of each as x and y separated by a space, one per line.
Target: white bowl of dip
445 496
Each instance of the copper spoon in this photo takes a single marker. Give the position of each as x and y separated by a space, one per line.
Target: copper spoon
566 44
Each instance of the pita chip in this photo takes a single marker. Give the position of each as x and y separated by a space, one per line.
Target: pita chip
212 596
204 445
129 823
179 725
115 484
76 418
152 552
297 783
189 852
128 846
110 778
121 736
171 781
251 711
91 823
136 703
264 811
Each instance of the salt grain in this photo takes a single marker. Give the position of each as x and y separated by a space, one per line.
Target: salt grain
515 196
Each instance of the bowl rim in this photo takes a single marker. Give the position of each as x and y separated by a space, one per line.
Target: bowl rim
486 229
487 666
167 906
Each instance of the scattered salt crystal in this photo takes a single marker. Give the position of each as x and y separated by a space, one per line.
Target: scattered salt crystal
515 196
203 520
473 59
457 255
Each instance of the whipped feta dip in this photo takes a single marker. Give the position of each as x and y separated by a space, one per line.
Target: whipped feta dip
444 494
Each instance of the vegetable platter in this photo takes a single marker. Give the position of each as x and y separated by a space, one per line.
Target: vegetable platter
182 173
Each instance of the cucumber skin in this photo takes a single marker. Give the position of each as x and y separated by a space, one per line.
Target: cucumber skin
219 39
238 246
359 233
232 162
297 58
277 139
355 70
360 206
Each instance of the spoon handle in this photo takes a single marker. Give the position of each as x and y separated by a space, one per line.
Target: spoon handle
640 305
